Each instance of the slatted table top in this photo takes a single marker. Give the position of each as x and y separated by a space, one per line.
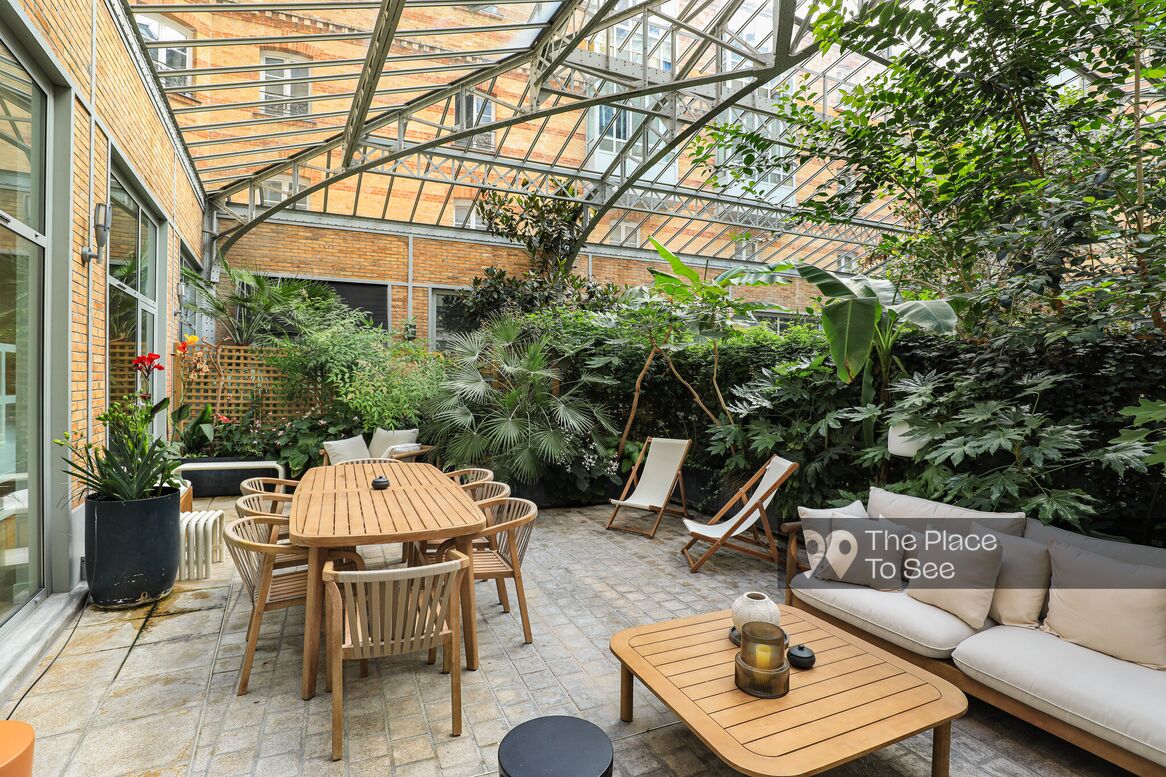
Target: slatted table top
337 506
857 698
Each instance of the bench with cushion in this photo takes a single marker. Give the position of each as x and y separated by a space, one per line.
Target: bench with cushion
1055 672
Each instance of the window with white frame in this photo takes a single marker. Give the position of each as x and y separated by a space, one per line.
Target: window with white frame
625 233
848 262
776 182
626 40
615 127
159 29
474 109
446 317
466 216
282 90
745 249
278 188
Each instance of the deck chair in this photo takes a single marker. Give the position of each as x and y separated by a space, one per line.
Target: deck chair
740 531
655 483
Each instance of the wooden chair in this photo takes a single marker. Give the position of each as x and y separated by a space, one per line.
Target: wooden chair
278 493
502 559
486 494
251 542
655 483
388 613
464 477
740 531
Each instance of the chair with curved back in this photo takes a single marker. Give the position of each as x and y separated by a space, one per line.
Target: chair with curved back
266 485
502 559
464 477
367 460
251 543
388 613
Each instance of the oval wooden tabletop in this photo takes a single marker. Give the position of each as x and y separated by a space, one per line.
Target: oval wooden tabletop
857 698
337 506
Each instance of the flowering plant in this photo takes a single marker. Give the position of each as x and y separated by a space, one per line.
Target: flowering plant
131 463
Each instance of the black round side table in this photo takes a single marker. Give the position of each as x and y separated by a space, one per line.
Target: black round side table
555 746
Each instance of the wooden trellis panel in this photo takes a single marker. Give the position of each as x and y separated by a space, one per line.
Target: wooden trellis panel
233 379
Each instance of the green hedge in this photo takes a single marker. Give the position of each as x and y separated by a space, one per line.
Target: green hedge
1105 376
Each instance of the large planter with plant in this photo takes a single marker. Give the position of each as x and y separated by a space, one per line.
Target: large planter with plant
132 549
132 541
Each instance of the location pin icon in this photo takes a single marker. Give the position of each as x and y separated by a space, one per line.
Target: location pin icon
841 551
815 545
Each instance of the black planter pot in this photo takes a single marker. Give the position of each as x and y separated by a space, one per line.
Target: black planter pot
131 549
222 482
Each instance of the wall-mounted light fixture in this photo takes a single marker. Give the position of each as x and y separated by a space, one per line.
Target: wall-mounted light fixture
102 221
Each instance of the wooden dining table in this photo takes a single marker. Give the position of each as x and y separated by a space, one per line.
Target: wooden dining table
336 507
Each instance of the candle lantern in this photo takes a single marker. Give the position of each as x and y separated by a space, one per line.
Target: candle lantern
762 669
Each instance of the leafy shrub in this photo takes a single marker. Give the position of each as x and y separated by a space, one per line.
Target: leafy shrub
351 368
507 404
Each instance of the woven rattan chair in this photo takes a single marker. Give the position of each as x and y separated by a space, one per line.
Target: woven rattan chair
464 477
392 612
502 559
251 544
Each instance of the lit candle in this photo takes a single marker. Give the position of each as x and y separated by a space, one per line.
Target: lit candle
765 657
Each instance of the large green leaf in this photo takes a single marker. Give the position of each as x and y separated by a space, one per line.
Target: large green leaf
830 284
678 267
849 325
934 315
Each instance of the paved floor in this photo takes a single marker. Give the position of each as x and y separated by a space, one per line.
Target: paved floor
151 691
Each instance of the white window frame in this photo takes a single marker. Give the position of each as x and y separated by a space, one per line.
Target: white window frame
779 184
475 109
745 249
434 293
280 187
466 216
275 94
155 27
625 233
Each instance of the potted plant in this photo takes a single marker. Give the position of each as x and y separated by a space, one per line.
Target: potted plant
131 501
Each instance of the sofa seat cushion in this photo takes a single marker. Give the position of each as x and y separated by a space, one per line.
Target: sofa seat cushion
1117 700
890 615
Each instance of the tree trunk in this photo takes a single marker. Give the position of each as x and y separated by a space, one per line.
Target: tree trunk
627 429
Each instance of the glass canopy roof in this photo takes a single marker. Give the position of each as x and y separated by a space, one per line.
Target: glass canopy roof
406 110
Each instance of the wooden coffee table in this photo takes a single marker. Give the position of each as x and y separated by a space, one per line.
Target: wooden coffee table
857 698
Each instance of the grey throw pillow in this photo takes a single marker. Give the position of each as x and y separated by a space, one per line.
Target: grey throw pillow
863 552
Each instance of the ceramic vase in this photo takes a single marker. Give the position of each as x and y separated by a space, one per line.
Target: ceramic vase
900 443
755 606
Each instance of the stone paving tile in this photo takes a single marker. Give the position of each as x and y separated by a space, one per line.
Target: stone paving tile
152 690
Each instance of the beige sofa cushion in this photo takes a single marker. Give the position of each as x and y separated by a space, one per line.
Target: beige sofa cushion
918 513
967 592
340 451
1107 605
890 615
1118 701
1023 583
1122 551
863 552
816 525
384 440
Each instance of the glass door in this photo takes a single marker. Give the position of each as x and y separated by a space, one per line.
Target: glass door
23 123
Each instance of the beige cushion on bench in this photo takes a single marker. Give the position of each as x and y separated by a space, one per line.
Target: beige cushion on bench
917 514
1118 701
890 615
1128 552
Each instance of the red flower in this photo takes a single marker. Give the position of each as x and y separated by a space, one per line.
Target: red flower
147 364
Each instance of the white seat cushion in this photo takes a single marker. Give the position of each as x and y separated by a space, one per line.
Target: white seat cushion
340 451
1119 701
384 440
889 615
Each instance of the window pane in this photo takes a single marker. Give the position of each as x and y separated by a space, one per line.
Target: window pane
124 343
123 236
147 255
20 527
447 317
22 143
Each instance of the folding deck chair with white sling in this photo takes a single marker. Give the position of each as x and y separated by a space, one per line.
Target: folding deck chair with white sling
655 483
740 532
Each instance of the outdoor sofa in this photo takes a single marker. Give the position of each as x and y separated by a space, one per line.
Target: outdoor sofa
1111 707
